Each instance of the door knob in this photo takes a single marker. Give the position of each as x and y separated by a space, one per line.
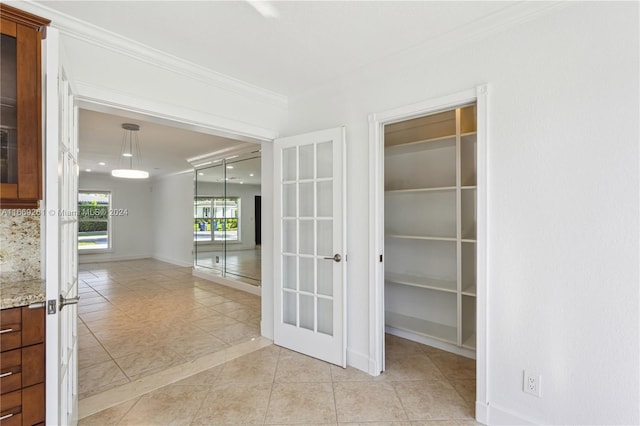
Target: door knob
336 258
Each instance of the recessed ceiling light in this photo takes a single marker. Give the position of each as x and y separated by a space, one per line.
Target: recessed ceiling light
87 170
127 154
241 183
226 178
251 174
200 174
102 163
229 167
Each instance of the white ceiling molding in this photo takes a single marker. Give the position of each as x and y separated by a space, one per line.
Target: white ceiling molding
518 13
206 160
86 32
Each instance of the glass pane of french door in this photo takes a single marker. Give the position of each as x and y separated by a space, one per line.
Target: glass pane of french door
307 237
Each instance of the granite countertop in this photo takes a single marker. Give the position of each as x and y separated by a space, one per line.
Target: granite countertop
21 293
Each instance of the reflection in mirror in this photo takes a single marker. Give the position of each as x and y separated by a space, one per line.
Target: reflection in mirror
227 216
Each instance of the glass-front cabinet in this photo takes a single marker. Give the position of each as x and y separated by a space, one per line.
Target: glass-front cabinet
20 108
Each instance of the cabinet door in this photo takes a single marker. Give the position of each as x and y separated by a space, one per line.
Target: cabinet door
32 365
21 115
33 405
32 326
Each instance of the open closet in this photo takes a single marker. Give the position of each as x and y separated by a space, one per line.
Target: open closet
430 229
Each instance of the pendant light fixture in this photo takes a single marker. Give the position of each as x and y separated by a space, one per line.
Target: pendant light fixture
130 151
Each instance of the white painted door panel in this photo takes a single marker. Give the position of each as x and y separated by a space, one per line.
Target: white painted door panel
310 244
61 227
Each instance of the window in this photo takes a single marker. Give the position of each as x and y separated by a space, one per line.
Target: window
216 219
94 225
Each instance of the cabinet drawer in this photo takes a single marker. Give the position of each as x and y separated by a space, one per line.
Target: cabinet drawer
10 329
10 370
11 408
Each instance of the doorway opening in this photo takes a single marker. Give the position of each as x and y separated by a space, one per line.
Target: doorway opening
142 311
428 174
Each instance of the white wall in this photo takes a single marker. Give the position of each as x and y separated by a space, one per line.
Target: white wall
563 208
247 194
131 234
172 204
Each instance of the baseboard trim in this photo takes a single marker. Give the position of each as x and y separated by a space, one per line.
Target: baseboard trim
176 262
358 360
238 285
497 415
105 257
482 413
468 353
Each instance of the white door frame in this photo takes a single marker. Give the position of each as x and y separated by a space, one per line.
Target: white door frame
154 112
377 121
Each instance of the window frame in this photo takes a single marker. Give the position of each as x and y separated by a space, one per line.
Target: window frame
211 217
108 220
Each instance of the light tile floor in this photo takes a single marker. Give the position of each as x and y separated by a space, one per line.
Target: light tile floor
140 317
241 265
422 386
156 311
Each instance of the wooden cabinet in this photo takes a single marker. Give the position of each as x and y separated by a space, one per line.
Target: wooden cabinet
22 366
21 108
430 229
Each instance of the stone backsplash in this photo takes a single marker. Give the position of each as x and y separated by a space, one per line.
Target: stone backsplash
19 245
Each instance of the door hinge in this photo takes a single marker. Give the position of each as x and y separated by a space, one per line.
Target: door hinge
52 307
380 258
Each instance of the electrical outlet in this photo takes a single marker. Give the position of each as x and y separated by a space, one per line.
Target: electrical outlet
531 383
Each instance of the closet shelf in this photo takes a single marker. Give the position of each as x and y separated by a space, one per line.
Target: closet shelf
470 342
443 332
404 191
422 282
421 145
417 237
470 291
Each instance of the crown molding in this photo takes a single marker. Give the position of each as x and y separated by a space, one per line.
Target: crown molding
516 14
97 36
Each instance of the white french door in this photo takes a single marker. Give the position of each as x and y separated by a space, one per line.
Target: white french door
61 236
310 244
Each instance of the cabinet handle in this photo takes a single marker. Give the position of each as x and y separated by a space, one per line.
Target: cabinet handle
6 330
6 416
6 374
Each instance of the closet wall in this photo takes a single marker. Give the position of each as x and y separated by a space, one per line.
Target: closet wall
430 229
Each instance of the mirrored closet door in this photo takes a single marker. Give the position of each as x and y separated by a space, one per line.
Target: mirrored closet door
226 218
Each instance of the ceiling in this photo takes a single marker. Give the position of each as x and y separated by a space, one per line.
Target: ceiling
309 43
164 149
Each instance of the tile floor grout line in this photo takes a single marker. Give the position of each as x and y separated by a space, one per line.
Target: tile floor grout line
395 391
196 411
273 382
114 396
119 421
